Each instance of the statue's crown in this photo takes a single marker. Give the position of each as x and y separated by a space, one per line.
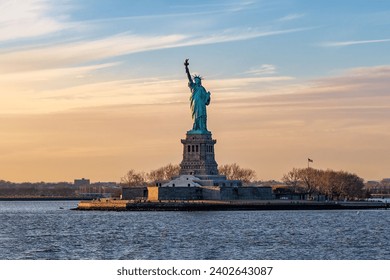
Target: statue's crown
197 77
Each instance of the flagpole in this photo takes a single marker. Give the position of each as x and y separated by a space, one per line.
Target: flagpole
308 162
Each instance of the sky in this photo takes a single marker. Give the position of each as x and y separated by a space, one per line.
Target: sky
95 88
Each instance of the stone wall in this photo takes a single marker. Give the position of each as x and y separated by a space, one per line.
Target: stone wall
211 193
102 204
174 193
197 193
135 193
255 193
245 193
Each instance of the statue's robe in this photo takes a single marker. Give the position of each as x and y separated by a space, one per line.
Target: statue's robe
200 98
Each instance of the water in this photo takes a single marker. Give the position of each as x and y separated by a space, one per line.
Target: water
43 230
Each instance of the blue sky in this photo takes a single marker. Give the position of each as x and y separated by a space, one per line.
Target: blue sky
301 38
314 75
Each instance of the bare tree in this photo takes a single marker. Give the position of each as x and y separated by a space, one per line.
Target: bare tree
133 179
329 184
332 184
226 170
293 179
156 175
171 170
235 172
353 186
310 178
164 173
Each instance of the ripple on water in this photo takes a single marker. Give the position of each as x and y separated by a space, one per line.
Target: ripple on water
41 230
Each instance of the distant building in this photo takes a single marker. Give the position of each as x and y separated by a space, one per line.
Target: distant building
81 182
106 184
379 189
288 193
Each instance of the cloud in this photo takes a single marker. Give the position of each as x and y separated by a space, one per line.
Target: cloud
351 43
182 17
33 98
248 86
341 120
66 88
226 6
52 74
357 82
264 69
28 18
230 35
291 17
59 55
357 90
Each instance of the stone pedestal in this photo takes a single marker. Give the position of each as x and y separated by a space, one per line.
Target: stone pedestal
198 155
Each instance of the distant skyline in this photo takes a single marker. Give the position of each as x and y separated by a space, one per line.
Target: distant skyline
91 89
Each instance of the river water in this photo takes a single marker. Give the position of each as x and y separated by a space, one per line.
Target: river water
50 230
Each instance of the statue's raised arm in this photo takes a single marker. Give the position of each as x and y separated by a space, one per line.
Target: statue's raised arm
188 70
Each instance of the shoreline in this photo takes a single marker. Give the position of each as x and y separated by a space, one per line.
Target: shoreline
217 205
43 198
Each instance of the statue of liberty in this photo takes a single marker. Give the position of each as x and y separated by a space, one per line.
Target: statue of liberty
199 99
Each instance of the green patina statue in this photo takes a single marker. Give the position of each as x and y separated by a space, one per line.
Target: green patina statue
199 99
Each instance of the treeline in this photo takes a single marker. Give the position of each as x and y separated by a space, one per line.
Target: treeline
334 185
46 190
40 189
381 188
4 184
135 178
235 172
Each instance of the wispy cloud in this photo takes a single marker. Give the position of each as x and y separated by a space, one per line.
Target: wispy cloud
52 74
235 6
230 35
354 88
291 17
351 43
59 55
192 19
264 69
28 18
61 90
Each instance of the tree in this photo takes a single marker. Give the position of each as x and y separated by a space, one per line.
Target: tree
329 185
332 184
133 179
293 179
353 186
311 179
235 172
164 173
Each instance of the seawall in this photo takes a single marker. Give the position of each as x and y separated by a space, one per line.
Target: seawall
210 205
